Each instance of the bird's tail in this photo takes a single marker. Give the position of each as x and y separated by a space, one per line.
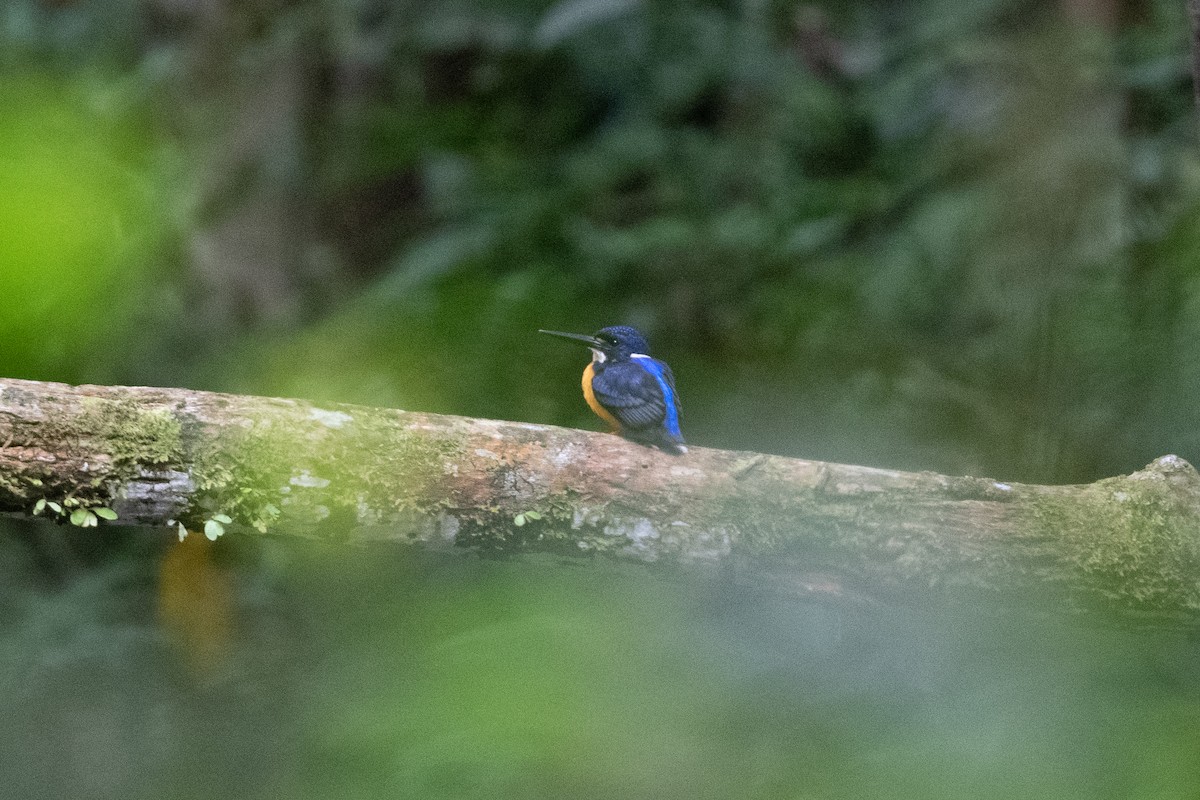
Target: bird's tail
673 445
663 440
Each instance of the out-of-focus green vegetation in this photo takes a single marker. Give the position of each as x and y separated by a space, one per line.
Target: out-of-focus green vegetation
957 235
945 235
384 673
78 203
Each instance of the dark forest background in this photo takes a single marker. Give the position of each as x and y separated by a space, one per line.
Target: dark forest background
955 236
949 235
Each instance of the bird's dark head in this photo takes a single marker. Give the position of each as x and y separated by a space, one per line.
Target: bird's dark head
614 343
622 341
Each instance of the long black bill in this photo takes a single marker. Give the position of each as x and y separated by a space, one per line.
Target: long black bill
590 341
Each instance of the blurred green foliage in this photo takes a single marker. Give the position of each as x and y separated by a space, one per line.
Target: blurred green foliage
386 673
929 234
77 197
940 235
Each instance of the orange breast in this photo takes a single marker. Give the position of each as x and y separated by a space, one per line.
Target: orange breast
593 403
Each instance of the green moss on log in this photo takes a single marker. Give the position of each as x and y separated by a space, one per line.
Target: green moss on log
299 468
1132 539
134 437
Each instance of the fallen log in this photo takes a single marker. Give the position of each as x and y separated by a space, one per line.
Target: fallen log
178 459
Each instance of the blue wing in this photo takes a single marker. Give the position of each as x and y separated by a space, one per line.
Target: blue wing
641 395
631 394
666 382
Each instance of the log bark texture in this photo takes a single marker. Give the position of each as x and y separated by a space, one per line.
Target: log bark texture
1130 544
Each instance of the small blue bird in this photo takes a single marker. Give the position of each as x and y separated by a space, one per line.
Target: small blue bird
632 392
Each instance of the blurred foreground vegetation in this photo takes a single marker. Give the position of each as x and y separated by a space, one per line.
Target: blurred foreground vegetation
934 234
387 673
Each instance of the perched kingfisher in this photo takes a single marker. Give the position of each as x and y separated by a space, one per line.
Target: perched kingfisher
632 392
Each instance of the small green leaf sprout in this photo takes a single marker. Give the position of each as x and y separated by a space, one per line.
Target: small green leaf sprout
180 527
81 516
525 516
214 527
266 516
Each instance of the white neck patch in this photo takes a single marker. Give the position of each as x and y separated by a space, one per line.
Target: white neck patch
638 355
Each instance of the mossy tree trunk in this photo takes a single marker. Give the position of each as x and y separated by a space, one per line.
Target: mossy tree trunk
159 456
